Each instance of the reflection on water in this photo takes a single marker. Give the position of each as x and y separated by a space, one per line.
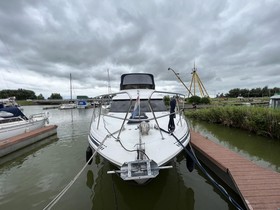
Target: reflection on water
172 189
18 157
165 192
32 180
261 150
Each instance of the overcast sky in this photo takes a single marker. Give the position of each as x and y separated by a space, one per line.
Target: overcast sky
234 43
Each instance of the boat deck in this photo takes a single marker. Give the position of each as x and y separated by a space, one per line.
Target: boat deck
258 187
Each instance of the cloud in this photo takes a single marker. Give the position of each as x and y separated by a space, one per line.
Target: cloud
233 43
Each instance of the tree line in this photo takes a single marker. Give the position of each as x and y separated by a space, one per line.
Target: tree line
255 92
22 94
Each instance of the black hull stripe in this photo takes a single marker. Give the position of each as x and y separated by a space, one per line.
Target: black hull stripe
94 140
185 138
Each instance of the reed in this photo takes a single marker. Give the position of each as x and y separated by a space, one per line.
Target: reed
260 120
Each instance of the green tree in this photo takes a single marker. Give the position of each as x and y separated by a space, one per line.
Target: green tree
265 91
233 93
244 92
275 90
55 96
195 100
205 100
20 94
166 100
256 92
40 97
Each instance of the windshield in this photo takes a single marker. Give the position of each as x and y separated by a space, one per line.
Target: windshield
123 105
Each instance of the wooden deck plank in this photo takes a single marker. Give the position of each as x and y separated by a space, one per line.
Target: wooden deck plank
259 187
250 187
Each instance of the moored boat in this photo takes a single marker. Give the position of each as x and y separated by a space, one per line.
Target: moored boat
68 106
13 122
9 102
82 104
71 104
139 134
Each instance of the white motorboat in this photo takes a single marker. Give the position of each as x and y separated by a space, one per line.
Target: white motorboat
82 104
139 134
13 122
68 106
9 102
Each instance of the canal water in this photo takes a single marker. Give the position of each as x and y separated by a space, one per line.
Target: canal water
261 150
35 177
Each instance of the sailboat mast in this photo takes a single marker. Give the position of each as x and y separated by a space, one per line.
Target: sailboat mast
109 82
70 86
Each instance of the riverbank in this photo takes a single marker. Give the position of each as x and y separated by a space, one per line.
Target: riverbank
260 120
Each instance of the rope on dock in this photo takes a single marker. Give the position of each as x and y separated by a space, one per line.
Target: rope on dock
218 186
66 188
214 182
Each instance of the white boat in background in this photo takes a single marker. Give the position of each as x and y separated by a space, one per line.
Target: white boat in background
82 104
106 105
68 106
9 102
71 104
139 134
13 122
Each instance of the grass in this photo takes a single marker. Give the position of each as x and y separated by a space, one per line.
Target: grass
260 120
24 103
233 101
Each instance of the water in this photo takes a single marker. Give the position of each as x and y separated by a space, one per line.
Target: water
32 180
261 150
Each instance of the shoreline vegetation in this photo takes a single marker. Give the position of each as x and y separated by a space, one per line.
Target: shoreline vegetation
260 120
232 112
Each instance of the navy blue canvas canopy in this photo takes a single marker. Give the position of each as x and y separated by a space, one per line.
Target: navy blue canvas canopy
14 111
82 103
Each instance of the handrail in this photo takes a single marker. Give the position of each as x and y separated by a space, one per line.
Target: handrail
129 108
125 115
153 110
11 119
122 92
42 114
137 120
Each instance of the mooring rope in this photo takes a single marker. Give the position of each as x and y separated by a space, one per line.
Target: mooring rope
66 188
220 187
214 182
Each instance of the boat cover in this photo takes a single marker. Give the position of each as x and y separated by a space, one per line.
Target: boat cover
14 111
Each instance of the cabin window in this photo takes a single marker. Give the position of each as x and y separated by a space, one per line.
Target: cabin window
137 79
123 105
9 120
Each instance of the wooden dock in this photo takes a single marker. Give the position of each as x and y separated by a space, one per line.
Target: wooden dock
258 187
15 143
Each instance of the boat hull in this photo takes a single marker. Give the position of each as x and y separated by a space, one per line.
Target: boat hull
68 106
17 128
161 149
